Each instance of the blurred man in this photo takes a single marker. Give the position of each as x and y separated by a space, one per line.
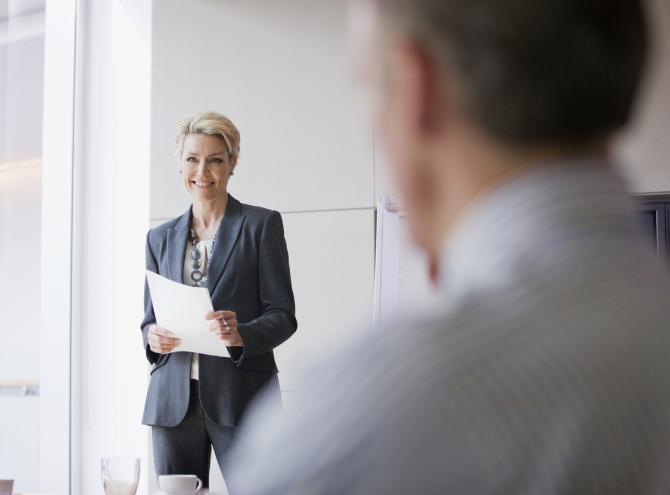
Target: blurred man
545 368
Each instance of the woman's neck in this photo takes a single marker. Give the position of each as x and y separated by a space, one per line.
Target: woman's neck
209 213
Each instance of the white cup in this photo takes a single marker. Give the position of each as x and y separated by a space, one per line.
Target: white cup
6 487
179 484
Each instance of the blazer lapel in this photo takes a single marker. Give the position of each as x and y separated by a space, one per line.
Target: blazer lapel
176 243
226 238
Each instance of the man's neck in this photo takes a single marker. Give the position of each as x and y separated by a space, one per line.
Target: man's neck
479 166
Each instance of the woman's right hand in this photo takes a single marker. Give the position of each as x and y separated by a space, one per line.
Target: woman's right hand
161 340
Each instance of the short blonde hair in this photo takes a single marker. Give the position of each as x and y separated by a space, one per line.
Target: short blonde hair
210 124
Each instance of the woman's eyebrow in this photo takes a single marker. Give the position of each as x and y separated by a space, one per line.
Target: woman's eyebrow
189 154
193 153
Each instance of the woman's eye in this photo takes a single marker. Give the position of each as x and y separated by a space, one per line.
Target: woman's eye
217 161
191 159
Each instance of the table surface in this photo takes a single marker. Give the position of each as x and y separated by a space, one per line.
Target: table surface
204 491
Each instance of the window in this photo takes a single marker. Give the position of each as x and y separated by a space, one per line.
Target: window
21 90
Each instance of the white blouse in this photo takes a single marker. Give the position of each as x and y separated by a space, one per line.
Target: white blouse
205 249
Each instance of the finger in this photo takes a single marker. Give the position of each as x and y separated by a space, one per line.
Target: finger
216 315
162 331
169 340
225 337
169 347
160 348
215 325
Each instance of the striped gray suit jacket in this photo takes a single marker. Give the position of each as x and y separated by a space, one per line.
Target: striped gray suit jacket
544 369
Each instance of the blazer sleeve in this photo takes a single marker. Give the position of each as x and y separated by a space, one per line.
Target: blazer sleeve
149 318
277 322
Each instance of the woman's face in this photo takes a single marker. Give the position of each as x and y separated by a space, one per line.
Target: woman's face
205 166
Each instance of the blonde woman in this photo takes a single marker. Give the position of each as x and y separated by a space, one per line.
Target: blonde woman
238 251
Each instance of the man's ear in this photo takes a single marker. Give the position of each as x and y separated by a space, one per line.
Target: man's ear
418 86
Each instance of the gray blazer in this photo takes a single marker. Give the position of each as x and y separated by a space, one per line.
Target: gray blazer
249 274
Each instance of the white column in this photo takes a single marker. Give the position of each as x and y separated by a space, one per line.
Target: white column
110 372
59 77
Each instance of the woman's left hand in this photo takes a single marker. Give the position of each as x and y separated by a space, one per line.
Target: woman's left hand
224 325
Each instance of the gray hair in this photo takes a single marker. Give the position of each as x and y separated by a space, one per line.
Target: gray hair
533 71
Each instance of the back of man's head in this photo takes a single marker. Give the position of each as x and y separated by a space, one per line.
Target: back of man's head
533 71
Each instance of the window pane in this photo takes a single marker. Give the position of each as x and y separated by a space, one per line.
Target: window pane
21 84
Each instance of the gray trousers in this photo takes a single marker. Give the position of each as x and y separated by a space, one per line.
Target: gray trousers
186 448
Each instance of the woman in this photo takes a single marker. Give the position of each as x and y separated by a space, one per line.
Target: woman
238 251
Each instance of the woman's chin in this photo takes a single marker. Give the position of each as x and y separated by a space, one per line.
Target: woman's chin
203 193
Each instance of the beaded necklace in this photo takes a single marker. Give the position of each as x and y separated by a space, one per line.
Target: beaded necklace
197 265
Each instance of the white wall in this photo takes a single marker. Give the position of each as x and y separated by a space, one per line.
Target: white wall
280 70
645 147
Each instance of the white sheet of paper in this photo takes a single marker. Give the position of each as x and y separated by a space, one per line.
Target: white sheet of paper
182 309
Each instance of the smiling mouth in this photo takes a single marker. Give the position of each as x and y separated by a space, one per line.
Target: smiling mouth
201 183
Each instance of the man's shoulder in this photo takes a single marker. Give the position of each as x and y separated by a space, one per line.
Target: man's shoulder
432 341
524 334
